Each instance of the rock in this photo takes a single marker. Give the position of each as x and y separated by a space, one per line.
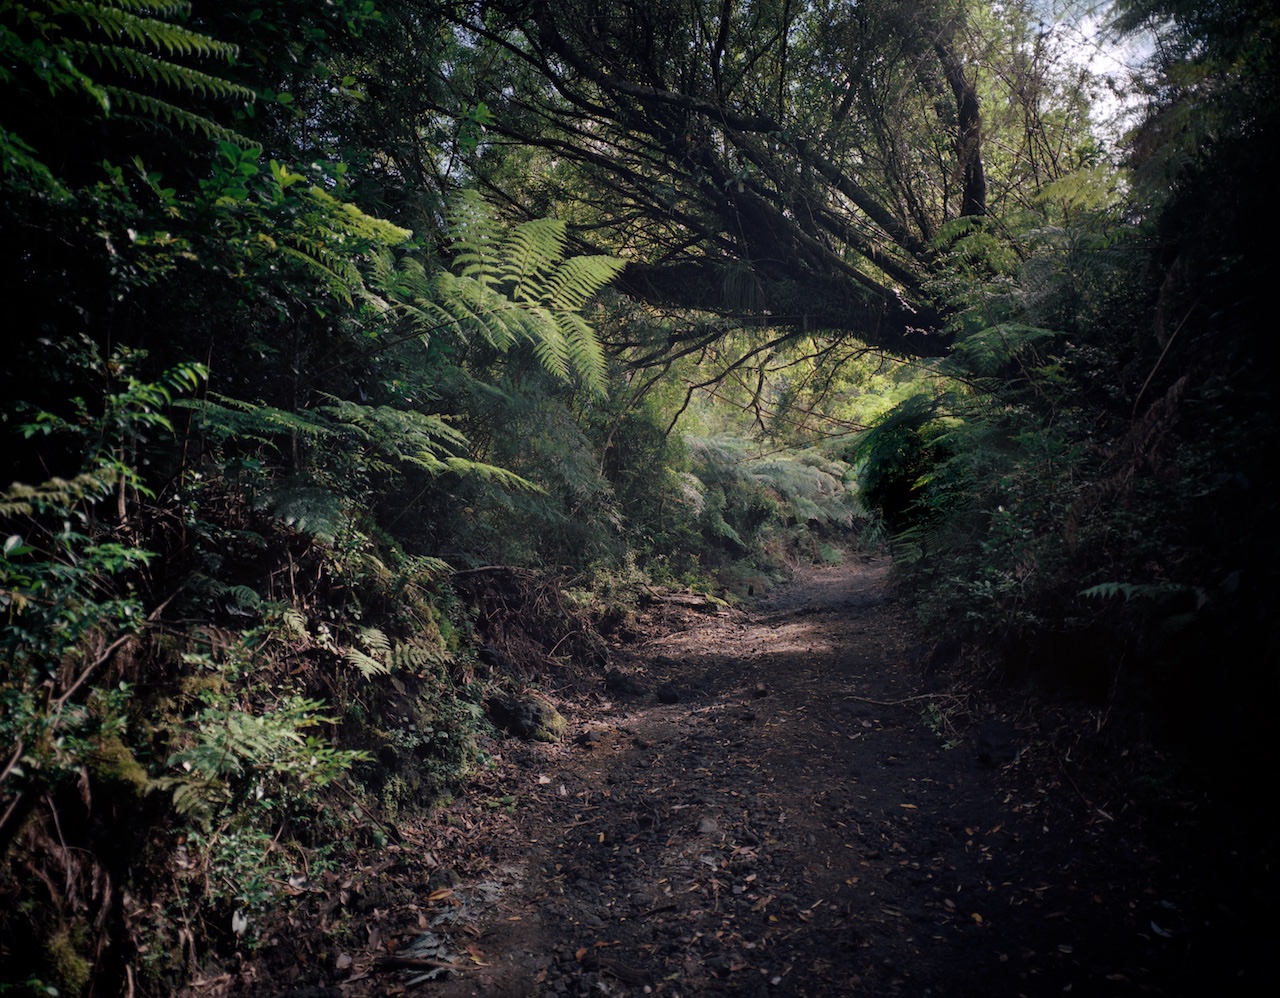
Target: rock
528 717
494 657
997 743
668 694
617 681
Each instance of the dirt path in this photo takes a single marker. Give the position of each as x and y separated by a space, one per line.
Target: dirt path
803 822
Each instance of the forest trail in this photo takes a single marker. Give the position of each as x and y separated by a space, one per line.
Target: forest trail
806 820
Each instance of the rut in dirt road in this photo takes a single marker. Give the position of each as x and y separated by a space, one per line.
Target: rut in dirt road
797 824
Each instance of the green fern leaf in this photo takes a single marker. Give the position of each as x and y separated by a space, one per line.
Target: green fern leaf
517 286
57 493
375 642
368 666
155 109
118 22
246 597
308 508
579 278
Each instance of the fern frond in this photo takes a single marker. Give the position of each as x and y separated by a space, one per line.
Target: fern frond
339 274
527 255
985 351
368 666
246 597
228 417
177 117
117 21
583 351
416 439
375 642
159 71
20 499
476 236
575 281
196 795
373 566
427 567
413 655
291 623
305 506
492 473
469 306
539 327
516 285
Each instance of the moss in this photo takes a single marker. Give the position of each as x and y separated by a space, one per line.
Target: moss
71 970
551 725
111 762
190 687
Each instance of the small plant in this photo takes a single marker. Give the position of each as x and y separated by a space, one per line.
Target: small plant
937 719
67 591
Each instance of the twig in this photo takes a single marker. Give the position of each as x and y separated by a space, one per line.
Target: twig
13 806
417 963
8 766
391 830
106 655
906 700
1167 344
80 681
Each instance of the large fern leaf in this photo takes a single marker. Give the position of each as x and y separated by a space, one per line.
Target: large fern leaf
144 56
516 286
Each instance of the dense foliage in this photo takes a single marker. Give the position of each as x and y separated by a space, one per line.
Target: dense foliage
325 322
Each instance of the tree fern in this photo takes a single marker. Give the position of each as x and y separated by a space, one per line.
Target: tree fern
20 499
227 418
298 502
409 438
516 286
812 488
69 44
